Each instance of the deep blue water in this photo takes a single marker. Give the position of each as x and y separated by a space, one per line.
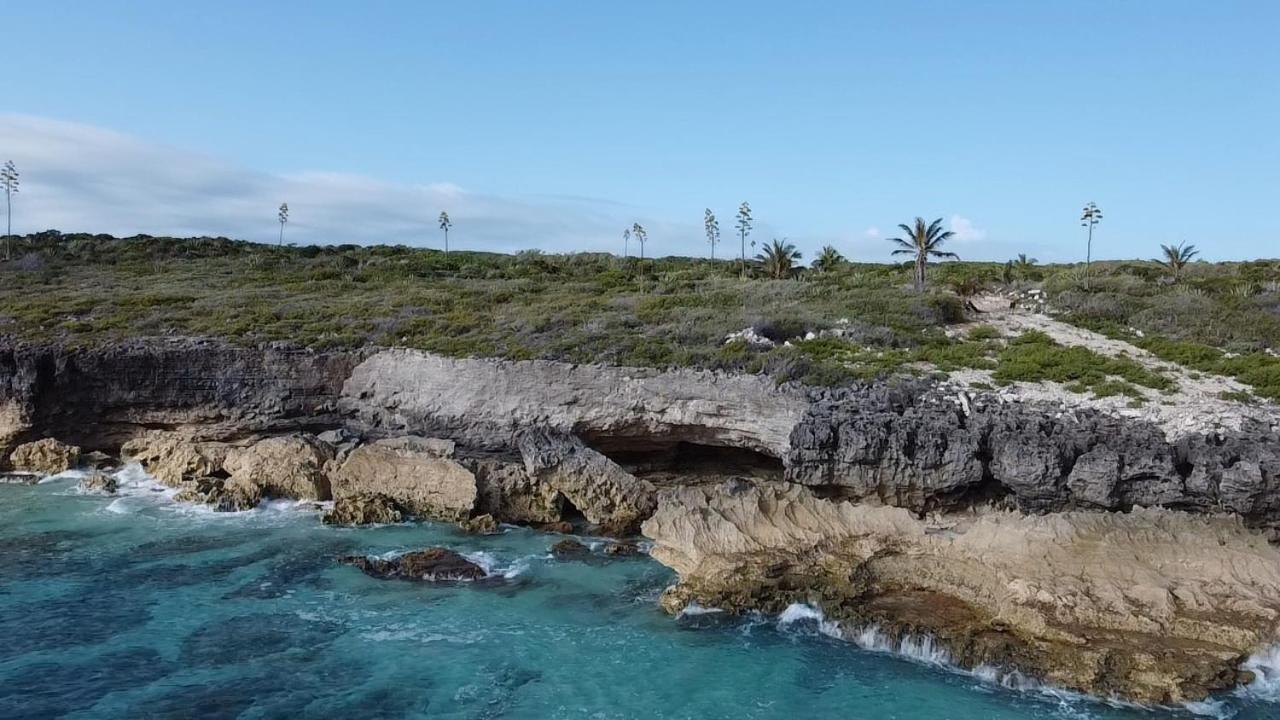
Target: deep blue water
136 607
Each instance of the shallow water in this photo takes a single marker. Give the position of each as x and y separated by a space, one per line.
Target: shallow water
136 607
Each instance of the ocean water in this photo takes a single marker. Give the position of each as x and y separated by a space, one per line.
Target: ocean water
138 607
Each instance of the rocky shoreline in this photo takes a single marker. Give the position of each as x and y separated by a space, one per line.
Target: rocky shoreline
1086 549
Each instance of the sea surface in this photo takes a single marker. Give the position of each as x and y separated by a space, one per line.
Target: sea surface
139 607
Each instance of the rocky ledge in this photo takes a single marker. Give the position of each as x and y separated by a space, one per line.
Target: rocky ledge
1094 551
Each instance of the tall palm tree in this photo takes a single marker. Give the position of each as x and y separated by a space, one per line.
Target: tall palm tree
1176 258
924 242
1024 263
828 259
779 259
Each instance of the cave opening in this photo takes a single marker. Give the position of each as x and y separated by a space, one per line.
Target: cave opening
682 462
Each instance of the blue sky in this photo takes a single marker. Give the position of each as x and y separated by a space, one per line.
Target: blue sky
557 124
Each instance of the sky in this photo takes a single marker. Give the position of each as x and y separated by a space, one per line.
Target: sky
556 125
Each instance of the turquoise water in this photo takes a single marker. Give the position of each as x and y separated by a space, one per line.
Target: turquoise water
136 607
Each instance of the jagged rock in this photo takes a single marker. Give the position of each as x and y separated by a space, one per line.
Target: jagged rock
419 474
569 549
505 490
1153 605
99 482
174 458
46 456
609 497
433 564
480 525
97 460
621 549
562 527
362 509
292 466
224 495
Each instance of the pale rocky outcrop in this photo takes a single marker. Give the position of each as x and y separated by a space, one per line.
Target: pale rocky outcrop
1153 605
99 482
174 458
46 456
419 474
612 499
506 491
292 466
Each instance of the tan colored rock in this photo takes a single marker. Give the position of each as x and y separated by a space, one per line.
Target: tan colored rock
292 466
13 422
224 495
1153 605
362 509
480 525
418 474
173 458
609 497
507 492
47 456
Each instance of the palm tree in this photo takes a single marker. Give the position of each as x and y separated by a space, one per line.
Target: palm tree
1024 264
9 179
744 229
779 259
641 235
924 242
828 259
283 217
1176 258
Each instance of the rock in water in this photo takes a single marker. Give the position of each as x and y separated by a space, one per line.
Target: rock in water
570 549
419 474
433 564
47 456
99 482
1152 605
480 525
362 509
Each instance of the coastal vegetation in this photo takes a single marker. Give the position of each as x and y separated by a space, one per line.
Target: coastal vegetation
838 321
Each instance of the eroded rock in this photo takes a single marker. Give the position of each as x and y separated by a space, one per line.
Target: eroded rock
362 509
570 549
292 466
99 482
609 497
46 456
433 564
480 525
174 458
1153 605
418 474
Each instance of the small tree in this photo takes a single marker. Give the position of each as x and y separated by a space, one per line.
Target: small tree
924 242
744 229
828 259
445 225
779 259
9 177
1176 258
284 218
712 226
1090 217
639 233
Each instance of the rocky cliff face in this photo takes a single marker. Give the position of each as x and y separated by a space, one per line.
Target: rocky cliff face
758 495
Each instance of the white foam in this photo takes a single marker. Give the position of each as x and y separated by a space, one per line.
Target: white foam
694 609
922 648
492 566
1265 665
801 612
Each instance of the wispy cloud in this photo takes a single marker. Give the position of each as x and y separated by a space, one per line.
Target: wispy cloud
965 231
82 178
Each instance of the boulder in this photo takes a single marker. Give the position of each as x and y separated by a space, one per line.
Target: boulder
609 497
480 525
291 466
99 482
224 495
47 456
506 490
174 458
362 509
418 474
433 564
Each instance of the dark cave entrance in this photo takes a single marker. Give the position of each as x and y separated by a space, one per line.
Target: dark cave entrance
681 462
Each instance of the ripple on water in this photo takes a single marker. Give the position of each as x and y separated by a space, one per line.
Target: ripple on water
246 638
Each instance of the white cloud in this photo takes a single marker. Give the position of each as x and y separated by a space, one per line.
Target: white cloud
80 178
965 230
872 233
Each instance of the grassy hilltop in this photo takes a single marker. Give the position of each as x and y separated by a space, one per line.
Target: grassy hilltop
91 289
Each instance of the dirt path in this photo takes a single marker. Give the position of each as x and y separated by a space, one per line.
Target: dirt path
1197 405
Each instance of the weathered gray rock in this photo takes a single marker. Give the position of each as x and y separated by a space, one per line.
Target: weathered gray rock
432 564
99 482
612 499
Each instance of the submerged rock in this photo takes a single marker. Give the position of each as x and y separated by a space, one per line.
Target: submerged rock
46 456
1153 605
433 564
362 509
99 482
